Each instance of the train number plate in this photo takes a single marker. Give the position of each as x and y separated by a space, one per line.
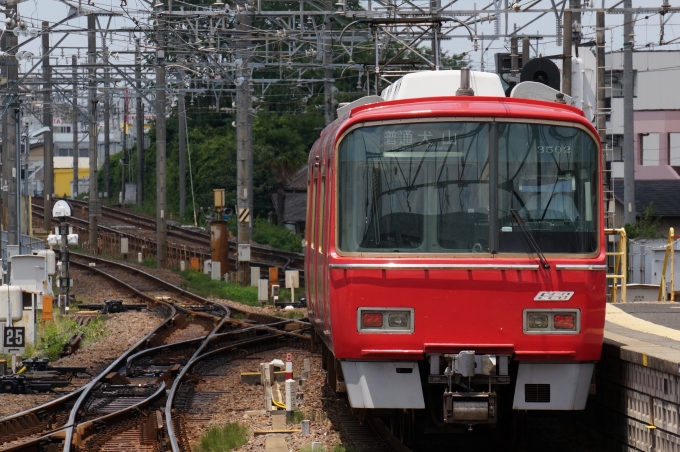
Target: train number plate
553 296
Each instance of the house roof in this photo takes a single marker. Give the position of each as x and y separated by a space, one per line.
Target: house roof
663 193
295 208
299 181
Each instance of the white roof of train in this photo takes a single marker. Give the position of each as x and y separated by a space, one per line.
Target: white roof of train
442 83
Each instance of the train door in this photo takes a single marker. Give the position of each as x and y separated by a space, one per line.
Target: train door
328 195
314 245
309 241
321 209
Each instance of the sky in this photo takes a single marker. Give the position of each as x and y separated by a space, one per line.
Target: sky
646 28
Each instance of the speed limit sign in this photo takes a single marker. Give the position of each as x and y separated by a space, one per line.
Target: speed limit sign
14 339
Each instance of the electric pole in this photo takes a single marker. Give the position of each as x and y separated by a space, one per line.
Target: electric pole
139 126
10 145
566 52
161 233
107 123
181 116
327 72
123 160
628 120
94 203
74 126
244 151
526 49
6 170
48 188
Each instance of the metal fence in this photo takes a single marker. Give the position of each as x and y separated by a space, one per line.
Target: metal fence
28 244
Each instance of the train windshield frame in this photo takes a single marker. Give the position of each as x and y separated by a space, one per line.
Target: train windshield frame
429 187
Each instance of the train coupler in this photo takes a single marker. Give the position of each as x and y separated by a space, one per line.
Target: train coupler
470 408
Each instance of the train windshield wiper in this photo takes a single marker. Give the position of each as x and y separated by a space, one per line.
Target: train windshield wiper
530 239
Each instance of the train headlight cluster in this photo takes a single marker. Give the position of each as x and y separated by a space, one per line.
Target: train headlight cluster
552 321
385 320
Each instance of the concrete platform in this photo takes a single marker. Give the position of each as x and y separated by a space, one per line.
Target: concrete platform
636 400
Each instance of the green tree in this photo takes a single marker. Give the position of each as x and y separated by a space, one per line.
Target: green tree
646 226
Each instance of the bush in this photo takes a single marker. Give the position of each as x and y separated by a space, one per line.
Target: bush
52 338
205 286
276 236
226 438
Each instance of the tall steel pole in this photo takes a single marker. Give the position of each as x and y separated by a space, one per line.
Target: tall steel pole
48 144
327 72
161 195
107 123
244 149
514 60
601 113
10 146
628 119
94 203
139 126
6 170
526 50
17 179
566 52
74 126
181 114
124 158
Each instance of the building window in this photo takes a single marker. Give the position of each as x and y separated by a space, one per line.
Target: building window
649 149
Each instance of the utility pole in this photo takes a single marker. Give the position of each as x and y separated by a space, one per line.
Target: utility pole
182 117
526 49
514 61
139 126
601 113
244 152
107 121
10 146
327 71
6 171
94 203
124 158
628 120
161 233
48 144
74 126
566 52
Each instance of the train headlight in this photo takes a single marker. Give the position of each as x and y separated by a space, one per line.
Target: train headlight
398 319
385 320
537 321
552 321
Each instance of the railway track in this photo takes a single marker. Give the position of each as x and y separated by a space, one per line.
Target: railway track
261 255
129 390
143 401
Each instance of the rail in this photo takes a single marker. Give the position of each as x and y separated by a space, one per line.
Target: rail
620 264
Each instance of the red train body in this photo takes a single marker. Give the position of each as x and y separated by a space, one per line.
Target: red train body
425 237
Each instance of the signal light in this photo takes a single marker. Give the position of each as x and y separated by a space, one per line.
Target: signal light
372 320
385 320
564 322
552 321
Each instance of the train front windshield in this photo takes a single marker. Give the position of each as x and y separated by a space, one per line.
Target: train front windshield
468 187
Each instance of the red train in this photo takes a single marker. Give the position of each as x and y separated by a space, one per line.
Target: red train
455 253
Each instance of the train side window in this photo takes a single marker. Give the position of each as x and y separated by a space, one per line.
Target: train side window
312 235
322 211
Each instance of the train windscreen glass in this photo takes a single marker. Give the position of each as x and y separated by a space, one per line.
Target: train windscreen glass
548 174
425 188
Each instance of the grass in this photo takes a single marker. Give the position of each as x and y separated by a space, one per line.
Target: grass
149 262
225 438
51 339
204 285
